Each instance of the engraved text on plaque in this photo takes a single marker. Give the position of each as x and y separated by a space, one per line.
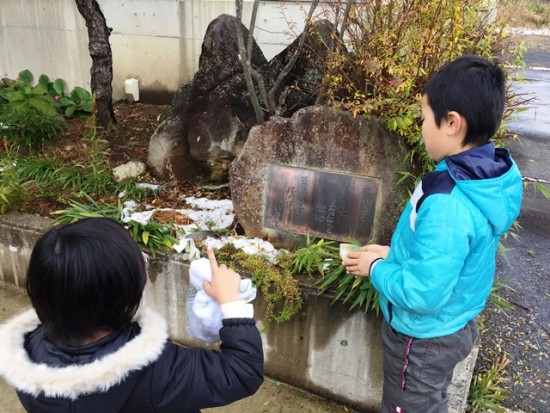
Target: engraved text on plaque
324 204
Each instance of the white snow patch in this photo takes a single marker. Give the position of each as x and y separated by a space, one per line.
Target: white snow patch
207 214
537 32
251 246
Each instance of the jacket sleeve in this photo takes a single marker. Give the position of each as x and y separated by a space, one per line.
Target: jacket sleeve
422 278
188 379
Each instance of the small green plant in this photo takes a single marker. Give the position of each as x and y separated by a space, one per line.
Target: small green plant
27 127
78 102
313 257
279 287
151 236
322 257
97 172
136 192
487 392
501 304
13 190
358 291
542 189
538 7
28 115
92 209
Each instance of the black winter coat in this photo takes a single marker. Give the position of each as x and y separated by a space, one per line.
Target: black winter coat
135 370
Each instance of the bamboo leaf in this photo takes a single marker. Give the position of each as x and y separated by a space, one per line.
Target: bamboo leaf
145 237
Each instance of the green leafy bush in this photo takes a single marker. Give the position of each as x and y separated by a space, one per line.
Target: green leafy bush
77 103
394 48
30 115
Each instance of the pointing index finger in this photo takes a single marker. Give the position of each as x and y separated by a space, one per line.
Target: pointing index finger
212 259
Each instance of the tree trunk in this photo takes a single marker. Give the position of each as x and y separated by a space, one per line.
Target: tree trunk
102 60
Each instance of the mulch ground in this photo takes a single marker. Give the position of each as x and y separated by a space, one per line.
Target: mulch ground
124 141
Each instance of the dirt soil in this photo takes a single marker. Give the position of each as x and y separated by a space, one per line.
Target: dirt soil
126 140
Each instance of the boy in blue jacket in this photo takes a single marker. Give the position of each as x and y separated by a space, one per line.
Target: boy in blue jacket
436 276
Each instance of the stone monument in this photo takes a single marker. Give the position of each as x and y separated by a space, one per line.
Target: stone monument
321 173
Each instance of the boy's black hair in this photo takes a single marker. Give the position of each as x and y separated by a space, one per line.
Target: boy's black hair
474 88
85 277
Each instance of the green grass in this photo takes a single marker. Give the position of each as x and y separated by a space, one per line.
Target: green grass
488 391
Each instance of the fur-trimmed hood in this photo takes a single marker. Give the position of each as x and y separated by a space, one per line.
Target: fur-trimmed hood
76 380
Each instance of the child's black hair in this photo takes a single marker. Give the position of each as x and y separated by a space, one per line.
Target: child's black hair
85 277
474 88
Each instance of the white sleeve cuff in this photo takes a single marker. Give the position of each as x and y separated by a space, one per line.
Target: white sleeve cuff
373 264
237 309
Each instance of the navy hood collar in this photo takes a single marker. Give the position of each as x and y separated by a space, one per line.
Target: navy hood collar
482 162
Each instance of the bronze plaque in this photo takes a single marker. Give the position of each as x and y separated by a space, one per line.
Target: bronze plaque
323 204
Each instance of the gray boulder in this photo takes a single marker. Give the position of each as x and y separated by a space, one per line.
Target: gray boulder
320 139
208 113
211 116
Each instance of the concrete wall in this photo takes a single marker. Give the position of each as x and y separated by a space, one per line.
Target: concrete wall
156 41
326 349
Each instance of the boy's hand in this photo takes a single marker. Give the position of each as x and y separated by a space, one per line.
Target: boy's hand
358 263
225 284
381 250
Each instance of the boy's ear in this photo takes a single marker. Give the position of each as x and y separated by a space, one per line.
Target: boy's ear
456 124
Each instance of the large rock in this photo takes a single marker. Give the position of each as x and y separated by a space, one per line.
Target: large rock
322 139
211 116
300 86
207 113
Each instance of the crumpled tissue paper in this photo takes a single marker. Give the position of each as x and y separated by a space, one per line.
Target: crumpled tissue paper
204 316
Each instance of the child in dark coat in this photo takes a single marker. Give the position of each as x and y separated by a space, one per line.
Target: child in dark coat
86 347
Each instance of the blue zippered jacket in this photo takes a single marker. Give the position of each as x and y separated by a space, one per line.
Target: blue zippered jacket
440 268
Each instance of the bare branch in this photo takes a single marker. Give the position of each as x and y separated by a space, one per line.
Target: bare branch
292 62
244 58
251 31
239 9
257 76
